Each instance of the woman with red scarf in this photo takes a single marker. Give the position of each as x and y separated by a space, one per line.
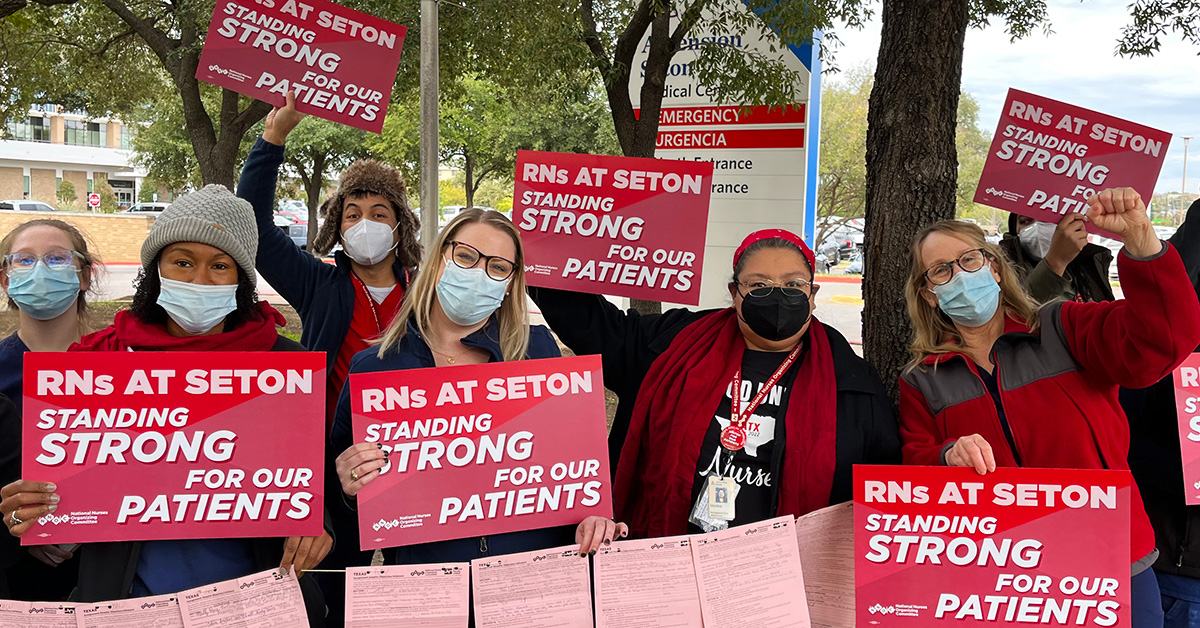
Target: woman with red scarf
196 292
806 408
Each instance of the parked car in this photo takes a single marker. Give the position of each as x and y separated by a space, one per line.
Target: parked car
849 239
152 209
856 265
300 216
830 251
291 205
447 213
26 206
298 232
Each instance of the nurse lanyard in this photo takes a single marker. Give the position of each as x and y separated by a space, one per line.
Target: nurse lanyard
733 437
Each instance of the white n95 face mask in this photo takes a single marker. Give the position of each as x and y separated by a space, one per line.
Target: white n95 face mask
368 241
1036 238
194 307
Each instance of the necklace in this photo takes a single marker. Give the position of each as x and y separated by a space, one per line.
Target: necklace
450 358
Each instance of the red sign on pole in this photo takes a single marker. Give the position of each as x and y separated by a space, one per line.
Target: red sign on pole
93 200
1047 157
625 226
482 449
175 445
1187 404
341 63
1016 547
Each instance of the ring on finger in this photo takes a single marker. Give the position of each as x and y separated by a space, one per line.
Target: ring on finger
354 476
14 520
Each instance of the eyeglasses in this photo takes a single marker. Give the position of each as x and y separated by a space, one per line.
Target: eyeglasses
467 256
970 262
57 260
762 288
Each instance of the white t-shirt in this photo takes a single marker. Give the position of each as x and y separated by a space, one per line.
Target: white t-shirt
380 294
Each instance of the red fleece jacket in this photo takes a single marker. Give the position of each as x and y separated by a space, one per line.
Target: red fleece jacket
1059 386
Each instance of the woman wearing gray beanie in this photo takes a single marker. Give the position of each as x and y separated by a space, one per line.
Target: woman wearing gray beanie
195 293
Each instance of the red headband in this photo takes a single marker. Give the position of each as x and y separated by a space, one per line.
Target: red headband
782 234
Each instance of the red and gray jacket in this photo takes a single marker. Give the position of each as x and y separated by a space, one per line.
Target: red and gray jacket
1055 403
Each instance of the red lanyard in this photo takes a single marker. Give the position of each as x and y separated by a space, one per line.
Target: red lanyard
370 302
733 437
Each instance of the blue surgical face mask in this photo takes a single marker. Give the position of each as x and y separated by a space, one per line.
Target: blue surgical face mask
43 292
969 299
468 295
194 307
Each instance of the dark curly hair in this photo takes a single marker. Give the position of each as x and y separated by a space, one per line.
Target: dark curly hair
146 309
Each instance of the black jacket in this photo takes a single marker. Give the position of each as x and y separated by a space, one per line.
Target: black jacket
106 570
1086 275
1154 454
629 342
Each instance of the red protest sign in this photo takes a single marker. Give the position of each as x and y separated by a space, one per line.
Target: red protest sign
482 449
625 226
1016 547
1187 410
1047 157
341 63
175 445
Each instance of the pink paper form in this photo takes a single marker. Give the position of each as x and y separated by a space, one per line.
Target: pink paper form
408 596
37 615
547 589
750 576
263 600
160 611
647 582
826 539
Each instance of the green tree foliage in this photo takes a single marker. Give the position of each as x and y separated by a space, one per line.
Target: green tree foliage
108 198
972 145
66 195
484 124
841 192
317 148
1154 19
841 195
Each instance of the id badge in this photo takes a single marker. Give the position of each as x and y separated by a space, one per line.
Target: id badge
721 496
702 515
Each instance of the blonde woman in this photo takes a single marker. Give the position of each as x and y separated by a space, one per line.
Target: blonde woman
995 381
467 306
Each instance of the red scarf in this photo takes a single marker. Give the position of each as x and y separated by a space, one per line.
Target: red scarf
128 333
676 404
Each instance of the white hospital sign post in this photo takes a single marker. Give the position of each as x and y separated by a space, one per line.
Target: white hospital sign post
765 173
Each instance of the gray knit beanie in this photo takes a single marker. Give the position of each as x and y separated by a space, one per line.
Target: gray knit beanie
211 215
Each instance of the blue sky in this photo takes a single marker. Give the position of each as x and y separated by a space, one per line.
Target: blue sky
1077 63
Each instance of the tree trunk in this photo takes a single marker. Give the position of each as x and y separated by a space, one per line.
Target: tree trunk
911 161
644 129
312 191
469 174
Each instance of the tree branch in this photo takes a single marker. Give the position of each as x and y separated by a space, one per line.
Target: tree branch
591 37
687 21
8 7
255 111
157 40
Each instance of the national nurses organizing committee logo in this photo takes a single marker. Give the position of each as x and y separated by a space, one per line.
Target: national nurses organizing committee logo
899 610
1005 194
384 524
52 519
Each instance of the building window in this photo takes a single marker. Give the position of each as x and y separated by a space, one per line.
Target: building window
32 129
27 186
80 133
126 137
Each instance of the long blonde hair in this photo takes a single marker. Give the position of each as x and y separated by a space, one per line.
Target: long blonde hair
933 332
418 303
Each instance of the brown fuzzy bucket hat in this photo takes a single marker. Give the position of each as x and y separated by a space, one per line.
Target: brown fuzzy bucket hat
369 176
